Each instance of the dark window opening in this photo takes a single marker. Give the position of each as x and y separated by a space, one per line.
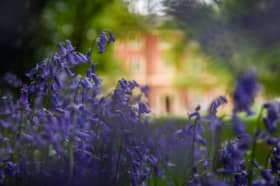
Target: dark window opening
167 104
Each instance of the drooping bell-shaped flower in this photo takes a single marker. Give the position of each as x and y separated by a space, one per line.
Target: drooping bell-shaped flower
245 92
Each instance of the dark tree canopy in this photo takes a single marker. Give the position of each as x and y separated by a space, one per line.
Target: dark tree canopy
19 31
31 29
239 33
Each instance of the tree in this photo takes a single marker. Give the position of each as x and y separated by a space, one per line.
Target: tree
45 23
239 33
19 31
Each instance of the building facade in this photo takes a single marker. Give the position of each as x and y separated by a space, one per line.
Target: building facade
145 61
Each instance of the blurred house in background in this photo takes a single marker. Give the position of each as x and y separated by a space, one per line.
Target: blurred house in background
145 60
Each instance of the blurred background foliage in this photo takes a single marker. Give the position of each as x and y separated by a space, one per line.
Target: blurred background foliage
229 35
46 23
239 33
81 21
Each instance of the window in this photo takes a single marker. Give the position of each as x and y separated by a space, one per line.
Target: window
135 45
137 66
167 104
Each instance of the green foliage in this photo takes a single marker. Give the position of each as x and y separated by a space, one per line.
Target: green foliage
82 20
237 33
193 67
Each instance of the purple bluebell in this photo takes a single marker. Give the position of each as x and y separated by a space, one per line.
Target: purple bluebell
245 91
275 159
241 178
259 182
12 169
244 141
62 49
212 118
69 46
12 80
272 117
272 140
145 89
232 158
102 43
70 58
239 127
88 54
143 108
215 104
267 175
68 72
86 83
24 98
111 37
91 74
32 72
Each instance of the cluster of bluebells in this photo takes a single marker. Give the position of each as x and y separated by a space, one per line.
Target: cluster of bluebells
104 40
62 130
234 161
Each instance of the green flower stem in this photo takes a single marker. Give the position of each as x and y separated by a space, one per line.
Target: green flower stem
254 147
190 174
118 161
215 151
71 162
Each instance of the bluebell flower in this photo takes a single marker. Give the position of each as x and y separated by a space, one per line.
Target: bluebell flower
273 116
70 58
212 181
4 124
241 178
62 49
104 40
215 104
239 127
212 118
8 148
244 141
145 89
259 182
275 159
88 54
69 46
143 108
68 72
111 37
267 175
232 158
12 80
272 140
24 97
245 92
91 74
86 83
12 169
32 72
195 114
102 43
58 81
80 58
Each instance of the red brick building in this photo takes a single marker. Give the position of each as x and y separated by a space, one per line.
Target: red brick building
144 60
